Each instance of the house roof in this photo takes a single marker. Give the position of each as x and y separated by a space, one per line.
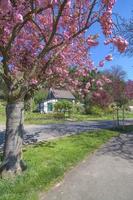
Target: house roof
60 94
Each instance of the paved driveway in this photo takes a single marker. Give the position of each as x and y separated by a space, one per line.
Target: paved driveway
36 133
106 175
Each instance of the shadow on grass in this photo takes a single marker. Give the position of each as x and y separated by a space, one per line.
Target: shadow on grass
125 129
49 144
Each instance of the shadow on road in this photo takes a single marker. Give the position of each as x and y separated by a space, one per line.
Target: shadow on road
121 146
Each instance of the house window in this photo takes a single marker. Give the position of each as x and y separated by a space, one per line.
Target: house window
50 107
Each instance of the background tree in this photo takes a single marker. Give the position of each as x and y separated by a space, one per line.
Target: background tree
125 27
39 39
129 89
117 90
88 87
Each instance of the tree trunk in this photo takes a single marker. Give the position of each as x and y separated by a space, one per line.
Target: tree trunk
123 116
12 156
117 116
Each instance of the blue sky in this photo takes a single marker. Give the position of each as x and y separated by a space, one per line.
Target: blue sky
123 7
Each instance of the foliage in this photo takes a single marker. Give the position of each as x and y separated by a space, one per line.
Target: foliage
102 99
59 115
129 90
48 163
40 118
29 105
40 96
78 108
63 106
118 91
96 110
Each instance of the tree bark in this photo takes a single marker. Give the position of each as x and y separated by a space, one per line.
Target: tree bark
12 156
123 116
117 110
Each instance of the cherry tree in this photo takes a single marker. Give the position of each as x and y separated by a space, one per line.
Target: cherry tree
129 90
88 85
39 39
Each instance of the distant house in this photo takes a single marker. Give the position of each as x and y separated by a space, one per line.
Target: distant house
131 108
54 95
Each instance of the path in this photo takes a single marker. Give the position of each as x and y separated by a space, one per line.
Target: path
37 133
106 175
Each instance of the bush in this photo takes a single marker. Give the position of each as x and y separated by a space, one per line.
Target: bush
63 106
96 110
58 115
38 116
78 108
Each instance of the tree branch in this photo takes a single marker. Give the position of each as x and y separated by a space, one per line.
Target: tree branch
55 24
19 26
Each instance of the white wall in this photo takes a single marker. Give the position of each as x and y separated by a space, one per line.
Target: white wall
44 105
131 108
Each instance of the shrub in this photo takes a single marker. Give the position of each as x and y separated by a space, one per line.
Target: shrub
63 106
96 110
59 115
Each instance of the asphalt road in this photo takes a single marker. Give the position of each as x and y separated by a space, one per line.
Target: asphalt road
106 175
37 133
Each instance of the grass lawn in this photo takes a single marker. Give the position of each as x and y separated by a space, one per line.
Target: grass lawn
47 163
83 117
37 118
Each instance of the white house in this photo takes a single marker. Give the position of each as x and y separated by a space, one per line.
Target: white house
54 95
131 108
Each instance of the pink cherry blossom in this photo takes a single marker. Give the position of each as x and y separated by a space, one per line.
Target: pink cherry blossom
119 42
5 5
92 42
38 52
19 18
33 81
109 57
101 63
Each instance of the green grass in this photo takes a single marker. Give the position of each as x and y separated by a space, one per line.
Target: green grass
83 117
38 118
2 113
47 163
